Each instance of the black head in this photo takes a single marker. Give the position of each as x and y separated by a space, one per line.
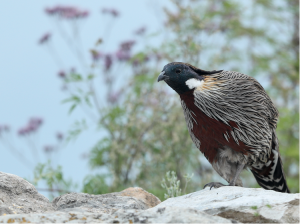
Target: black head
176 75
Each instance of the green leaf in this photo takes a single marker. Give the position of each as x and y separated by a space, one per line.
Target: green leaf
72 108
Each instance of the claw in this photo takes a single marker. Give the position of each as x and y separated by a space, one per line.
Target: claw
214 184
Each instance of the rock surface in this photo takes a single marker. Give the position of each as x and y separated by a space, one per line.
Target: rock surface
19 196
223 205
130 198
241 204
166 215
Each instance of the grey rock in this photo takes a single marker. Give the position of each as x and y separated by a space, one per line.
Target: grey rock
166 215
130 198
241 204
18 196
223 205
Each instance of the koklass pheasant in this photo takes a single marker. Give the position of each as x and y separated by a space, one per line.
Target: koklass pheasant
232 120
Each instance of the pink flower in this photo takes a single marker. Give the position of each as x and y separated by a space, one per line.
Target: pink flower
111 11
59 136
48 149
113 97
108 61
62 74
73 70
140 31
96 55
32 126
67 12
127 45
122 55
45 38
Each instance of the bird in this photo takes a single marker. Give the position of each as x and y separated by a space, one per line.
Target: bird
232 121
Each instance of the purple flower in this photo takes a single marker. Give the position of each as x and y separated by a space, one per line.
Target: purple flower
59 136
96 55
84 14
32 126
62 74
135 62
158 56
22 131
140 31
67 12
108 61
73 70
111 11
51 11
113 97
48 149
36 121
127 45
45 38
122 55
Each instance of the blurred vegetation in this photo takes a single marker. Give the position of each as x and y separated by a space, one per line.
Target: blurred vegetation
53 178
145 134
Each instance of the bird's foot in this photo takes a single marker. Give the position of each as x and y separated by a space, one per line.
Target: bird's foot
214 184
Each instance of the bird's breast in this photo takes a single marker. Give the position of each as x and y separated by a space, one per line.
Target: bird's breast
208 134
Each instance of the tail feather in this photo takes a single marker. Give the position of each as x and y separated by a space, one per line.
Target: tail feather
270 175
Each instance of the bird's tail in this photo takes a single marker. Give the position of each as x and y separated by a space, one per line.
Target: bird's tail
270 176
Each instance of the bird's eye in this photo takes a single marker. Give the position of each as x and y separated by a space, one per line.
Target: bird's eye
178 71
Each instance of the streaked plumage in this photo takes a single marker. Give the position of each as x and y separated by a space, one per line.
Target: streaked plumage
232 120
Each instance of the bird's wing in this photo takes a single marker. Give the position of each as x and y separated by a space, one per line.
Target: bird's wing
235 97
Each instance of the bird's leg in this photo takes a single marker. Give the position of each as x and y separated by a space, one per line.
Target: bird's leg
239 169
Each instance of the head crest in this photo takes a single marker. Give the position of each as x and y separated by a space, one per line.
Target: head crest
203 72
197 70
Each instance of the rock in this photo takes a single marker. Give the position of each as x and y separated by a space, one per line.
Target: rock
166 215
139 193
241 204
131 198
18 196
173 215
223 205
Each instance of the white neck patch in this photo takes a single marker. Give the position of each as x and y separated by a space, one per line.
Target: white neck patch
194 83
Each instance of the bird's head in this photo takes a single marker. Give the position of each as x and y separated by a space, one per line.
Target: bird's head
183 77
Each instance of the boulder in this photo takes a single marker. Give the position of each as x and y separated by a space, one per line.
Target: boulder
19 196
20 202
165 215
246 205
130 198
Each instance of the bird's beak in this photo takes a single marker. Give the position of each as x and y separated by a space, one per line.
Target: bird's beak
161 76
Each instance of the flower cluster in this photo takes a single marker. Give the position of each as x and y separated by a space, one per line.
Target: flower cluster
127 45
59 136
48 148
111 11
61 74
122 54
67 12
113 97
140 31
32 126
96 55
44 38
